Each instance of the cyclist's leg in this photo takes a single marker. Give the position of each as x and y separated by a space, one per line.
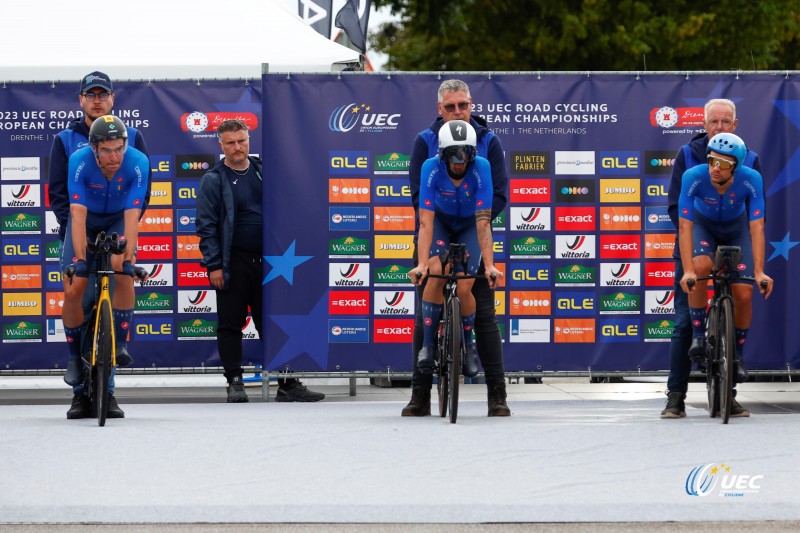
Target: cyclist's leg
232 314
680 365
742 292
469 236
704 245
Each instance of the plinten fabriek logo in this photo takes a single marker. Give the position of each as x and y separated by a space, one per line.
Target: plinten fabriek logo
722 479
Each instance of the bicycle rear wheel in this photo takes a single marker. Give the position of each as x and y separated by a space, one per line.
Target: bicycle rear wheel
442 368
454 357
726 341
103 345
712 375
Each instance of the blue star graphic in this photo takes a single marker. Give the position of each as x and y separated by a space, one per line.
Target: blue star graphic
789 174
284 265
244 104
782 247
306 334
716 92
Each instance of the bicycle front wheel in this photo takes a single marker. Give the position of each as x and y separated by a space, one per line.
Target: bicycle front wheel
454 357
726 341
712 372
103 345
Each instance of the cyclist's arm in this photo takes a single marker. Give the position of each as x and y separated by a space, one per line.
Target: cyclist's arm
424 239
131 234
685 241
57 184
483 222
77 218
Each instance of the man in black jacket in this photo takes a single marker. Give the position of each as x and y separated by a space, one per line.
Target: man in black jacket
229 224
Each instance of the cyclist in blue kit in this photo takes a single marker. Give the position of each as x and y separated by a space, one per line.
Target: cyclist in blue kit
107 183
722 203
455 205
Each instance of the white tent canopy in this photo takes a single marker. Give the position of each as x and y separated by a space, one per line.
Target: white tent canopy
160 39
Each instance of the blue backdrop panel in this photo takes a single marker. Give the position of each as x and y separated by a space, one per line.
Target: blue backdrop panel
584 239
175 318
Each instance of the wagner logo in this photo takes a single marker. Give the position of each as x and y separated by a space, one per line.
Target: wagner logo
152 247
576 276
530 248
620 274
22 303
348 247
197 329
530 163
575 246
533 191
160 193
21 196
391 163
658 331
575 219
22 277
530 219
619 163
620 190
658 162
394 246
620 303
197 301
348 162
189 247
192 275
22 224
348 302
348 274
620 218
362 118
22 331
159 275
393 329
574 330
529 303
157 221
392 275
348 190
152 302
394 218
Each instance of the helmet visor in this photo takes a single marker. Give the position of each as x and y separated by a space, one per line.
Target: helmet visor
460 154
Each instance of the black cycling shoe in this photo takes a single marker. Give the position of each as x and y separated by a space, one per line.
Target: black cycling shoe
123 357
425 361
74 374
81 407
697 351
471 361
741 371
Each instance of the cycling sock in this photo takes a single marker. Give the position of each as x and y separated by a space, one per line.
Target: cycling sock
698 315
468 322
122 325
73 336
431 314
741 337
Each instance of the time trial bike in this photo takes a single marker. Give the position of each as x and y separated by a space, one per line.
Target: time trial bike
99 347
720 357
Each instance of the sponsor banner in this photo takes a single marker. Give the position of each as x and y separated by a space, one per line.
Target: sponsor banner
343 218
575 246
342 330
499 246
186 192
530 163
21 250
199 122
51 224
394 218
529 330
658 331
576 276
580 303
656 190
574 330
620 274
620 303
53 277
249 331
189 247
197 329
23 331
159 275
391 163
197 301
575 190
620 191
348 162
659 274
620 218
348 302
52 250
192 275
21 277
20 169
391 275
499 222
529 275
54 303
394 246
659 245
21 224
657 219
619 163
348 274
392 191
150 328
55 330
348 190
393 330
160 193
394 303
530 219
530 303
22 304
349 247
659 162
620 330
193 165
622 246
576 219
660 302
185 219
668 116
157 221
154 248
160 167
575 162
529 191
153 302
24 195
500 303
530 247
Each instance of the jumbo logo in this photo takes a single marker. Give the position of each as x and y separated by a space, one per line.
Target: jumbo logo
160 193
22 303
346 117
394 246
620 190
349 162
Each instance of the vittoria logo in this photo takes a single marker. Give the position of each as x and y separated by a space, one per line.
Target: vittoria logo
394 302
530 219
348 274
620 274
27 195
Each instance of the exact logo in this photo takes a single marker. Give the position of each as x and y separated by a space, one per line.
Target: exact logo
348 302
659 274
192 275
393 329
575 219
152 247
534 191
621 246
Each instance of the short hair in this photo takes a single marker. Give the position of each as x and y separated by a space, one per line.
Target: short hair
719 101
451 86
231 125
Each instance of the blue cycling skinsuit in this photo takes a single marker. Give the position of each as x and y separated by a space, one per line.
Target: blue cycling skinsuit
722 218
455 206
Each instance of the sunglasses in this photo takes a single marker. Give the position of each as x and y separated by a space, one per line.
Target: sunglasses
463 106
723 164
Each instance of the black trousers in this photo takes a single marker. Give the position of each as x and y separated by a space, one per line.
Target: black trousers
487 336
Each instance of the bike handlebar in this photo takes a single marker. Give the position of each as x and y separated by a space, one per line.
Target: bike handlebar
691 282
